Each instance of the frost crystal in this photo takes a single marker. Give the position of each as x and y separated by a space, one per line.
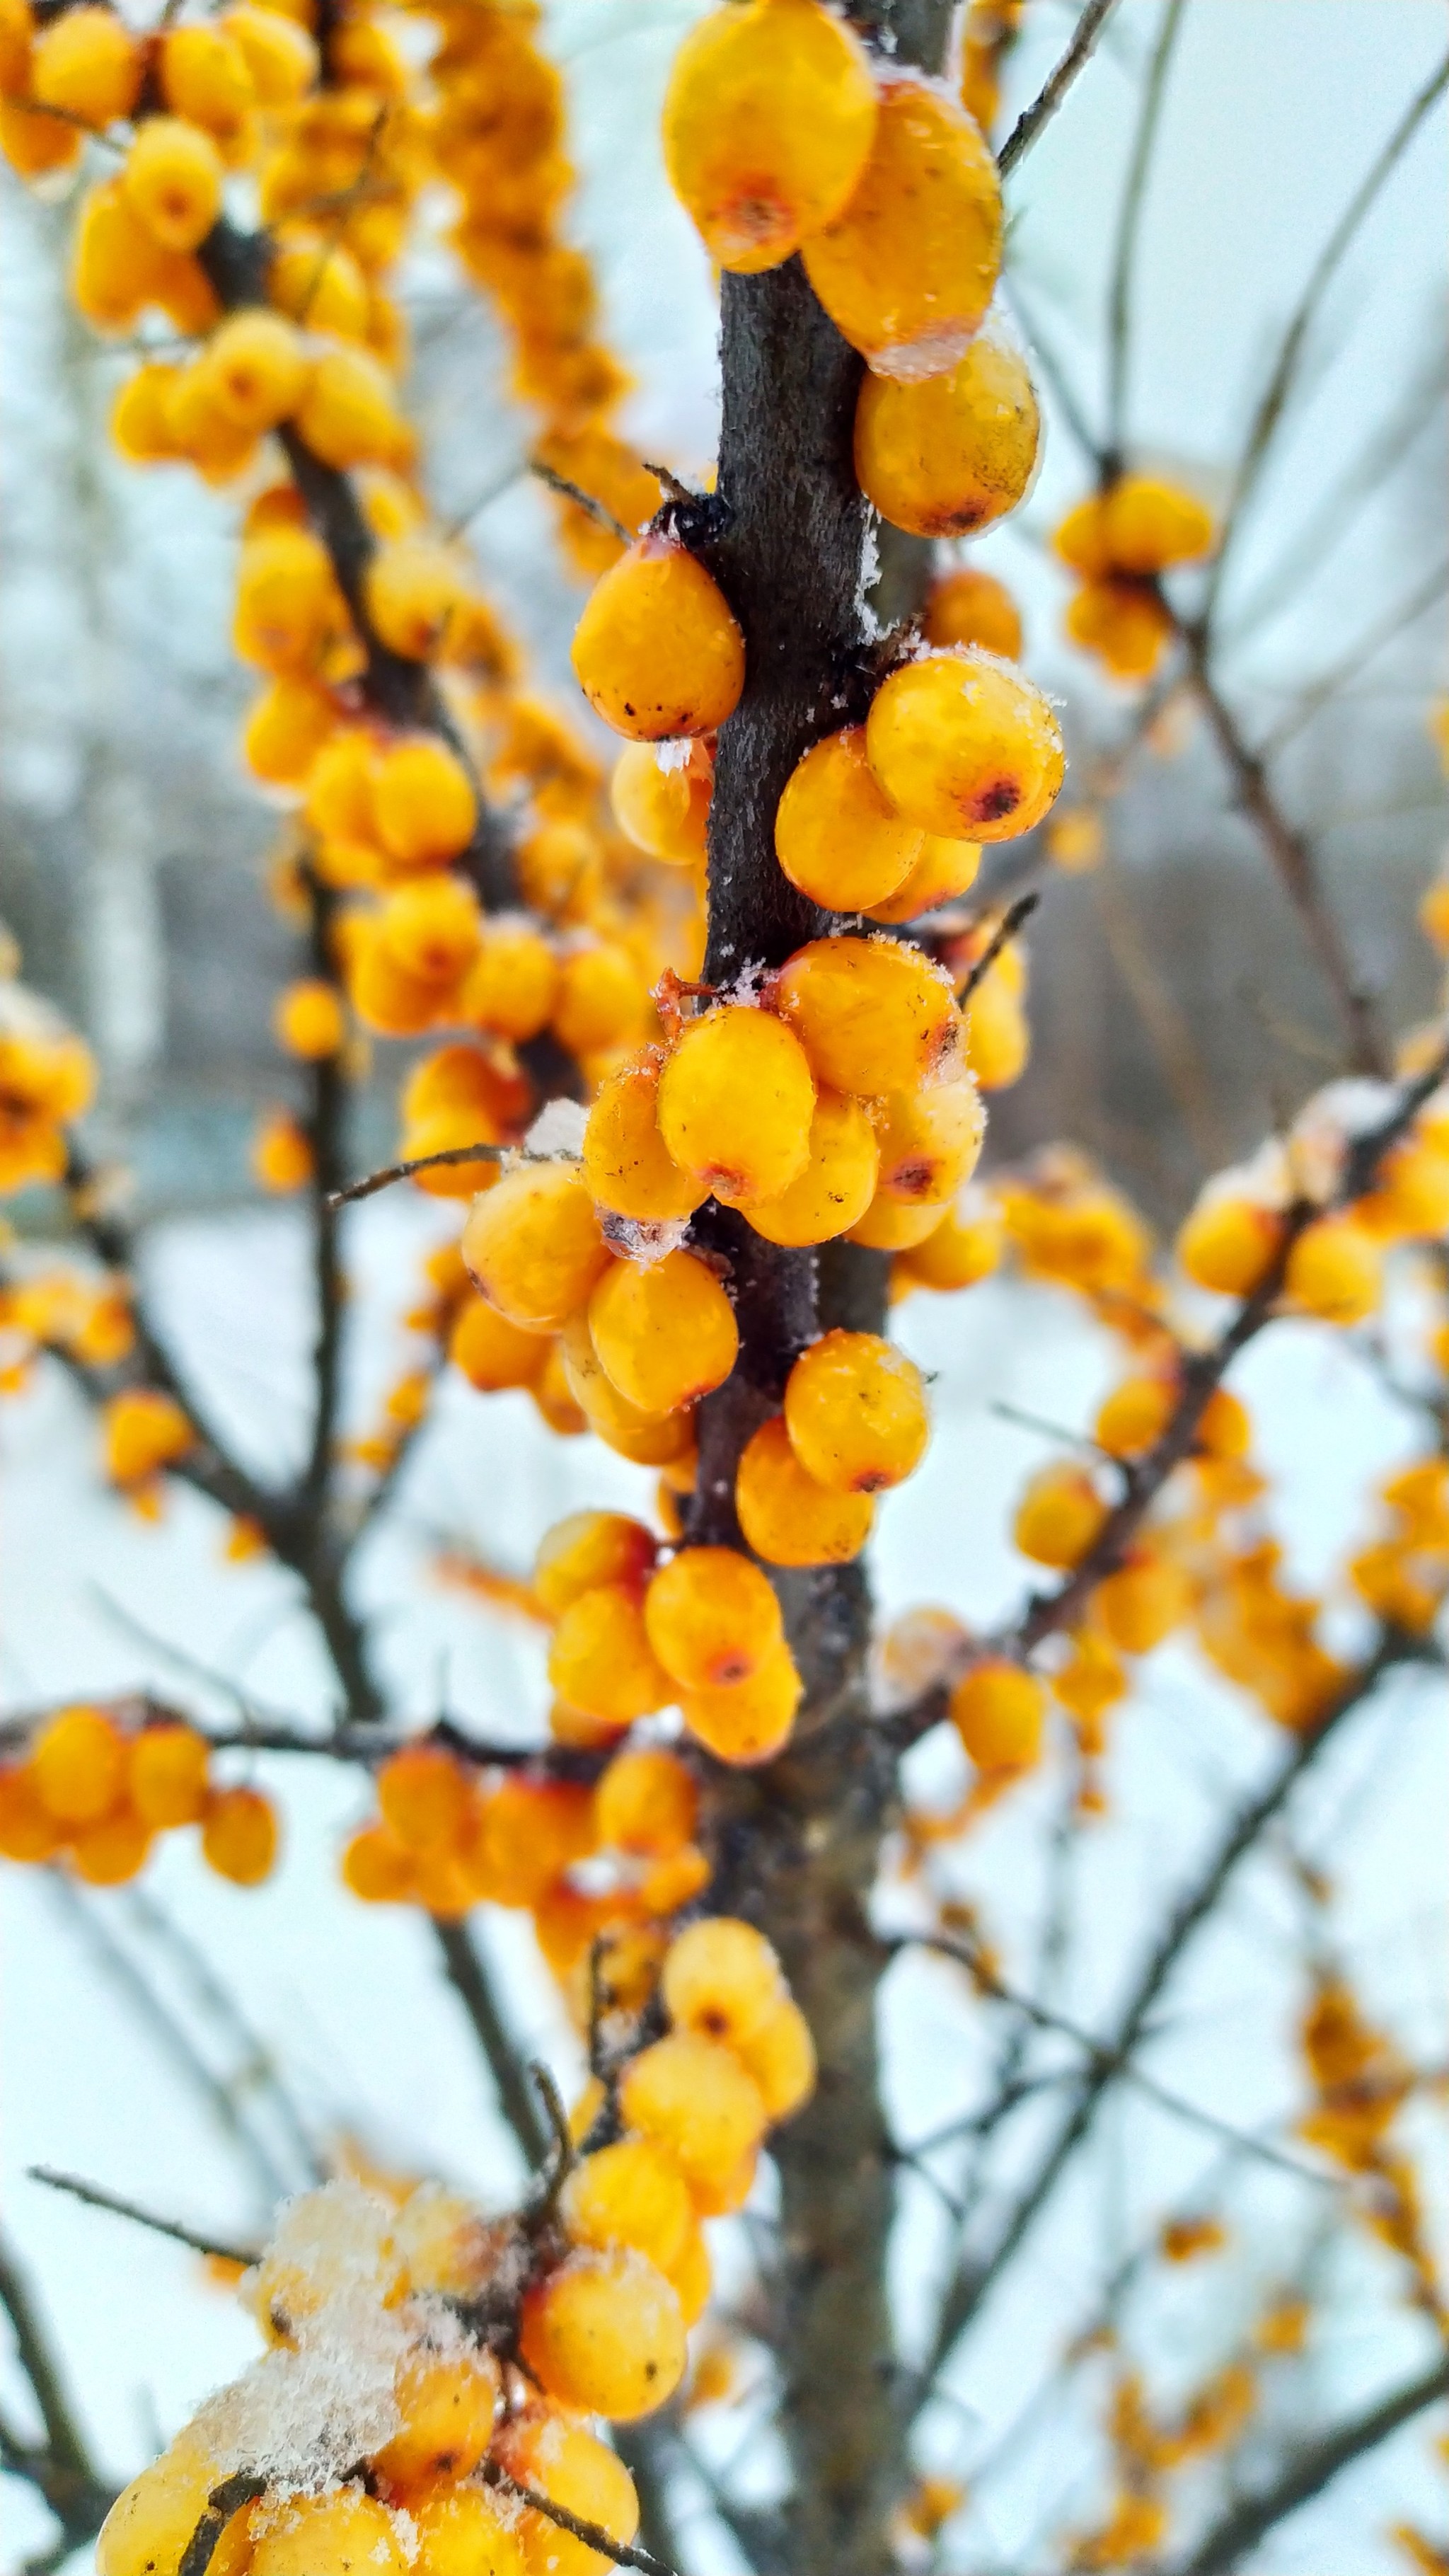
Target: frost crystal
558 1131
641 1239
673 755
870 625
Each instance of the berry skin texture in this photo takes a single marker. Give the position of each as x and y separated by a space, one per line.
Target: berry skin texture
747 1722
148 2527
572 2468
694 2098
601 1660
173 180
664 1331
630 2194
447 2403
239 1836
722 1979
1229 1243
78 1766
998 1710
649 1439
628 1166
604 2333
663 811
735 1103
647 1803
943 871
965 746
768 121
712 1618
907 271
87 63
855 1410
345 2533
462 2532
257 368
1060 1516
657 651
872 1015
533 1246
786 1517
930 1142
836 1186
166 1776
1335 1270
971 607
952 454
837 837
587 1549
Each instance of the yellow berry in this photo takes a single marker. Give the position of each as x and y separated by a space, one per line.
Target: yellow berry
173 180
281 1156
897 1225
378 1869
998 1037
1141 527
533 1246
491 1352
342 2533
587 1549
78 1765
279 54
604 2333
1124 623
663 811
466 2531
629 2194
413 587
1143 1601
965 746
872 1015
433 929
149 2526
947 456
907 271
943 871
424 1796
1133 1418
664 1331
837 837
929 1142
287 601
88 63
204 77
513 981
1060 1516
316 281
627 1164
348 415
692 2096
712 1618
601 1660
423 802
721 1978
750 1721
998 1710
735 1103
780 2054
447 2402
837 1184
657 651
34 143
166 1775
139 416
28 1830
649 1438
600 1000
573 2468
972 607
647 1803
257 367
786 1517
239 1836
1229 1243
309 1019
855 1410
1336 1270
289 722
768 120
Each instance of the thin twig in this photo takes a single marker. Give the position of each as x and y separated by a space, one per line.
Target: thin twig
1394 622
470 1980
67 2450
394 1172
1012 920
622 2552
582 500
1054 89
1119 303
96 2196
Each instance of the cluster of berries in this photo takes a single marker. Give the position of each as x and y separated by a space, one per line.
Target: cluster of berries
95 1788
1119 543
46 1079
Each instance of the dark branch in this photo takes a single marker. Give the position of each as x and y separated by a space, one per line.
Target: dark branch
393 1172
96 2196
469 1978
1012 920
622 2552
1050 96
582 500
1119 308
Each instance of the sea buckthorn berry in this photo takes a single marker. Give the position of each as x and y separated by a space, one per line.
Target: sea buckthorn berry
1230 1242
28 1830
281 1156
287 601
600 1000
786 1517
143 1431
872 1015
587 1549
721 1978
573 2468
491 1352
657 651
1133 1418
288 724
1141 526
837 1184
693 2097
663 811
949 455
117 266
712 1618
907 271
423 802
447 2402
998 1710
629 2194
348 415
279 54
318 282
647 1803
204 77
628 1166
467 2531
257 369
768 120
747 1722
434 928
965 1247
1143 1601
309 1019
601 1659
1225 1427
78 1765
149 2525
173 177
378 1869
527 1833
424 1796
1060 1515
412 586
166 1775
604 2333
239 1836
88 63
735 1102
855 1410
382 993
140 426
943 871
998 1036
1123 622
649 1439
837 836
511 987
329 2535
1336 1270
533 1246
664 1331
780 2055
973 607
930 1141
965 746
897 1225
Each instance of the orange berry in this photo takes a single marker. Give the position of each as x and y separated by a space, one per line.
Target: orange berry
467 2531
998 1039
281 1155
348 415
872 1015
663 811
965 746
1134 1416
693 2097
413 588
533 1246
528 1832
78 1765
204 77
1141 527
316 281
929 1142
721 1978
33 142
1123 622
629 2194
379 1869
1336 1270
433 929
604 2333
907 271
239 1836
491 1352
780 2054
166 1775
750 1721
1229 1242
280 55
573 2468
152 2520
768 120
587 1549
647 1803
513 981
88 63
28 1830
112 1851
965 1247
289 722
423 802
287 603
649 1439
1060 1515
837 836
601 1659
140 426
1143 1602
971 607
943 871
600 1000
664 1331
735 1103
447 2402
712 1618
657 651
257 368
897 1225
173 180
331 2535
998 1710
424 1796
855 1410
627 1164
786 1517
143 1431
837 1183
948 455
309 1019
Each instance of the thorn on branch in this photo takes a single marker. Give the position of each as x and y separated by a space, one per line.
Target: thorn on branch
1012 920
592 508
1054 89
393 1172
96 2196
